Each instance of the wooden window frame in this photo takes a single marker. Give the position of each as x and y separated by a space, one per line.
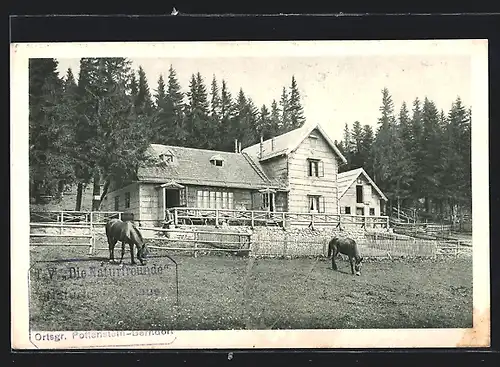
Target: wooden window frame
315 168
358 199
183 197
319 200
127 200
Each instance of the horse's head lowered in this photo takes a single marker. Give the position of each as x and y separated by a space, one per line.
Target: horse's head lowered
142 252
357 265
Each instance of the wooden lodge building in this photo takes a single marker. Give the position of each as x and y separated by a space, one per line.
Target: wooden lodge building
293 172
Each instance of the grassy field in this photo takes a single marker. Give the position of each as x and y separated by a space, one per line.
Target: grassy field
69 291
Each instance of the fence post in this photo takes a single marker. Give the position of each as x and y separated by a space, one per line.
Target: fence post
283 217
216 218
62 222
176 223
92 243
285 241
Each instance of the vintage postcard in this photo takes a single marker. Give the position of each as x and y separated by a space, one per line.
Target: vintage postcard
312 194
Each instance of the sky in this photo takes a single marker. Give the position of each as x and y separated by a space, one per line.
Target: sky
334 89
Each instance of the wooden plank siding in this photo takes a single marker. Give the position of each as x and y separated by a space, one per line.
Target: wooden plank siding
108 204
276 168
301 184
149 204
349 198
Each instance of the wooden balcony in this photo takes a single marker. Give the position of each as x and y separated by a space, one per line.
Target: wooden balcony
220 217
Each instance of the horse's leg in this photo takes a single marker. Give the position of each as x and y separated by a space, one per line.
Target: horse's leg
335 253
351 260
123 252
132 253
111 247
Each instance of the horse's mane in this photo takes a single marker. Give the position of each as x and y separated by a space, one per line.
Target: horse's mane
139 234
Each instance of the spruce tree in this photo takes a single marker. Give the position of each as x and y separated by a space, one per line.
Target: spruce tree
175 110
215 115
264 123
109 133
284 125
295 109
357 158
275 123
366 150
197 110
430 147
50 131
226 112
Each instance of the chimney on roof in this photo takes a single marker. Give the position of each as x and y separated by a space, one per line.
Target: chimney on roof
261 146
272 143
239 147
236 145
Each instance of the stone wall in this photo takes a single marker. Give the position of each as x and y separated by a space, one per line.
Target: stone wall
297 241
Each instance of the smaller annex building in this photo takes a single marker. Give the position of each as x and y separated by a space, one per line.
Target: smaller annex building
359 195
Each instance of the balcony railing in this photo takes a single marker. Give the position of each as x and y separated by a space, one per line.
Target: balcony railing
252 218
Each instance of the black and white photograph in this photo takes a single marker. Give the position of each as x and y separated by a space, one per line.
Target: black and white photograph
312 194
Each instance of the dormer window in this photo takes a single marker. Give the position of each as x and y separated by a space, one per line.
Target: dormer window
217 160
167 157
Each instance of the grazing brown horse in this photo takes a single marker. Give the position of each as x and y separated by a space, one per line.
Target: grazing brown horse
346 246
125 232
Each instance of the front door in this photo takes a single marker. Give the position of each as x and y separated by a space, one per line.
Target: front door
172 198
268 201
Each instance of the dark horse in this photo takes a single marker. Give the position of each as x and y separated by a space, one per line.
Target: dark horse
346 246
126 232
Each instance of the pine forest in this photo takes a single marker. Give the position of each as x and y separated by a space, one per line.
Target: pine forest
88 130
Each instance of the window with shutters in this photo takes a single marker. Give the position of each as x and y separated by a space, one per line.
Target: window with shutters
315 168
316 203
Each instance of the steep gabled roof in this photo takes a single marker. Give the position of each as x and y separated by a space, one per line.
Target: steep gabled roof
346 179
193 166
287 143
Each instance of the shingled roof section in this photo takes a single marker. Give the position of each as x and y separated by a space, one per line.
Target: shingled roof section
193 167
287 143
346 179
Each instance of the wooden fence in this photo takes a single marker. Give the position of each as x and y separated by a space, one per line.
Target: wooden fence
252 218
194 241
